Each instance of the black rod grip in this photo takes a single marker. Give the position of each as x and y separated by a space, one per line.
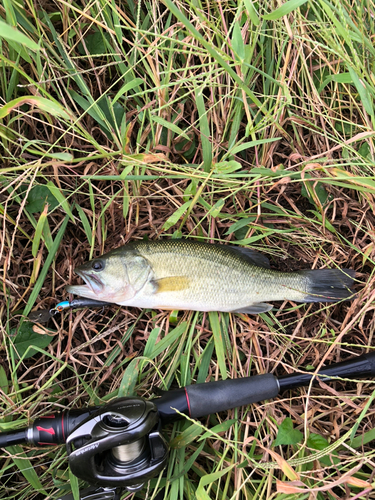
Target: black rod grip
222 395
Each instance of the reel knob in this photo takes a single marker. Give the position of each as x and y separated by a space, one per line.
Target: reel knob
119 445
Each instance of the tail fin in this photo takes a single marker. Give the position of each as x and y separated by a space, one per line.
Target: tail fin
329 285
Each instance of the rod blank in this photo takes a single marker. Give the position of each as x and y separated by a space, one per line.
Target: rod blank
357 368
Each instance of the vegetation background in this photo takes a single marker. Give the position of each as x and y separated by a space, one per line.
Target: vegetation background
248 122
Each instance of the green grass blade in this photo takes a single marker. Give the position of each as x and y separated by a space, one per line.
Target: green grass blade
51 107
284 10
219 343
61 199
204 131
211 50
74 484
167 341
12 34
129 379
362 91
209 479
51 256
25 467
170 126
85 223
253 15
39 231
134 84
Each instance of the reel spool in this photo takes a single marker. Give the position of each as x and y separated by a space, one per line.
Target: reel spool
119 445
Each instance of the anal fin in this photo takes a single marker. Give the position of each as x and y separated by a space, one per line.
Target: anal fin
261 307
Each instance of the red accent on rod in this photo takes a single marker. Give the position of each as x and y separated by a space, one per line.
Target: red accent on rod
50 430
187 400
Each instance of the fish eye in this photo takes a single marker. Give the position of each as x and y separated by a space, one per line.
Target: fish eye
98 265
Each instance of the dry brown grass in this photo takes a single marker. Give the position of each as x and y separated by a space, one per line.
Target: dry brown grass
321 132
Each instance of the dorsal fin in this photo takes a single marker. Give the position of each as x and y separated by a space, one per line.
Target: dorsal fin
255 258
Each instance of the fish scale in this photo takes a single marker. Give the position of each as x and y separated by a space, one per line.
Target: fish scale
190 275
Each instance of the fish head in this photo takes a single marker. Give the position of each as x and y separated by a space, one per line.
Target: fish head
114 277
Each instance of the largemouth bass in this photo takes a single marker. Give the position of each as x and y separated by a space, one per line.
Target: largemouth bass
189 275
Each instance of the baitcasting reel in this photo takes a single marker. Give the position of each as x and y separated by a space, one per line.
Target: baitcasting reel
111 447
119 445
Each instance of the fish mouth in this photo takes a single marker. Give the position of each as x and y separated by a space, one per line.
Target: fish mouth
93 285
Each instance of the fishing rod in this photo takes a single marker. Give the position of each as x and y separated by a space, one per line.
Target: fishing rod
119 446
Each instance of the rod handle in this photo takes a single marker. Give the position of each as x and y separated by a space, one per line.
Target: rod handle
199 400
222 395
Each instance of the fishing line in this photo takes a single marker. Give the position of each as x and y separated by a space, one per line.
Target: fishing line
129 452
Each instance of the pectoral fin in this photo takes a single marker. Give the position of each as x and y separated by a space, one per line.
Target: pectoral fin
261 307
171 284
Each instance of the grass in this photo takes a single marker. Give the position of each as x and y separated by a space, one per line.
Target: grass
243 122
